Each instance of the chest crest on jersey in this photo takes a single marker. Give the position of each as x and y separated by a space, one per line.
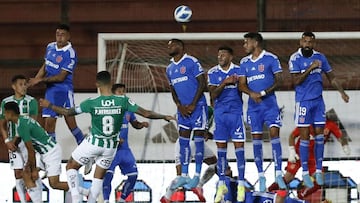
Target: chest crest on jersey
59 59
261 67
127 117
182 69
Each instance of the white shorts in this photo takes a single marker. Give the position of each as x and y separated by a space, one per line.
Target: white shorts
19 157
87 151
52 161
208 153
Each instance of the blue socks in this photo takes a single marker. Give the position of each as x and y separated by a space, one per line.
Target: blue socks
319 150
304 154
258 154
107 184
78 135
240 160
185 154
276 152
221 163
199 153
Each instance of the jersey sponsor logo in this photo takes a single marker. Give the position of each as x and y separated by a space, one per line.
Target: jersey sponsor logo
180 79
107 102
261 68
59 59
255 77
182 69
51 64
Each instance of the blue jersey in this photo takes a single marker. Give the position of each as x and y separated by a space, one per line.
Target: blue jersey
182 77
128 118
260 75
312 86
230 99
60 59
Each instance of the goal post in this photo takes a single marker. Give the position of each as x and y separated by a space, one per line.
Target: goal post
103 37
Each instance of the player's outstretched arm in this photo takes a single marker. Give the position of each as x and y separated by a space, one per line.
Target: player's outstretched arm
60 110
153 115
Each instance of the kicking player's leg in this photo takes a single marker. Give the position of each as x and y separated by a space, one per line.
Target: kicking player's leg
103 162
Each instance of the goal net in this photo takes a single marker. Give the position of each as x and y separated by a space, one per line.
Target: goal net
139 60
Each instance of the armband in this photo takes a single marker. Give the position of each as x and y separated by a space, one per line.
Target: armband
263 93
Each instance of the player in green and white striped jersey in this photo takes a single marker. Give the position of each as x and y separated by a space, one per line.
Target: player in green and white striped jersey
36 139
107 113
17 151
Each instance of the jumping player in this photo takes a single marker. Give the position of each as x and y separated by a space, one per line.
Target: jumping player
187 85
306 67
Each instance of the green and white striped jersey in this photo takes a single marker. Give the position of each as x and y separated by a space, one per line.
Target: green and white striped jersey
30 130
28 106
107 114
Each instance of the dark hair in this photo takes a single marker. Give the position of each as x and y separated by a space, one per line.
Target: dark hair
63 26
178 41
12 106
103 77
226 48
255 36
17 77
308 34
116 86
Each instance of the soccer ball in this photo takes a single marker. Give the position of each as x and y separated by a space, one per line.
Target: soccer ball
182 14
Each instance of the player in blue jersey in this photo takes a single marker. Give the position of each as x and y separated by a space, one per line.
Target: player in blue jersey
107 113
306 67
223 82
124 157
57 74
187 84
261 76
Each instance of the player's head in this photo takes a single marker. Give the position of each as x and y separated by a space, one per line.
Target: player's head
307 43
225 56
12 111
103 78
176 47
62 35
118 89
19 85
252 40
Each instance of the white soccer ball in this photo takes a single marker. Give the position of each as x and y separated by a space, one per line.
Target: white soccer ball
182 14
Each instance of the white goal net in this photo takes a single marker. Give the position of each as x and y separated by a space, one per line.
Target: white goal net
139 60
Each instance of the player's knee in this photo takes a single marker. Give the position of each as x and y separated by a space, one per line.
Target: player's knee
72 164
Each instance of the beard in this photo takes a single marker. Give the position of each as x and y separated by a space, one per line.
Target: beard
307 52
174 53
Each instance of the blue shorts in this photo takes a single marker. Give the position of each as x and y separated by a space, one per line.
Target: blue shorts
229 126
58 97
310 112
125 159
196 121
269 117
